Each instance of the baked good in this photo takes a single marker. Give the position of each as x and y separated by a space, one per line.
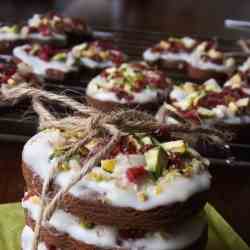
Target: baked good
47 61
147 193
69 232
97 55
172 53
132 85
224 107
56 29
208 61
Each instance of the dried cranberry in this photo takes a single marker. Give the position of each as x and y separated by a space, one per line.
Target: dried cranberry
32 29
139 85
234 93
157 49
155 78
43 55
117 57
175 160
137 173
211 100
161 132
46 52
44 29
192 115
176 47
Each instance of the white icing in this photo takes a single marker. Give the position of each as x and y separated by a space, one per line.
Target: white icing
144 96
153 56
36 155
106 236
90 63
53 36
39 66
201 64
9 36
245 66
26 240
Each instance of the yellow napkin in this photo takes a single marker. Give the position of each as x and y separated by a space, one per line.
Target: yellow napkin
220 236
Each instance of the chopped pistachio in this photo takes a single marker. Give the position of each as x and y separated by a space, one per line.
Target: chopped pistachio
158 189
64 166
147 140
108 165
87 225
60 57
233 107
10 29
205 112
178 146
243 102
156 161
57 152
142 196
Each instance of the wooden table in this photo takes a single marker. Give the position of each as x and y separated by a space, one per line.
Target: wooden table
231 189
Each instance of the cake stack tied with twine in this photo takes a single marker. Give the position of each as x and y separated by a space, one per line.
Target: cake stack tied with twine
118 180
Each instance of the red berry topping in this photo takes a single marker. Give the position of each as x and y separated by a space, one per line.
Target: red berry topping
137 173
175 160
45 30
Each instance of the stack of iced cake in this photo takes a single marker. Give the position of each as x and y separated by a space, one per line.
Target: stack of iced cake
147 194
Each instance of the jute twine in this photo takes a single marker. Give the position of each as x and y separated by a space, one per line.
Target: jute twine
91 122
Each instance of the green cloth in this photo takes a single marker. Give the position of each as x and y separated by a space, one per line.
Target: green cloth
220 237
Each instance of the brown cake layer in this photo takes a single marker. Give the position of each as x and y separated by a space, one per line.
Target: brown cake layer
108 106
94 209
202 74
55 239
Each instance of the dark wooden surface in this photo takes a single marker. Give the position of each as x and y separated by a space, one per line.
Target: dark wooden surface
231 188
